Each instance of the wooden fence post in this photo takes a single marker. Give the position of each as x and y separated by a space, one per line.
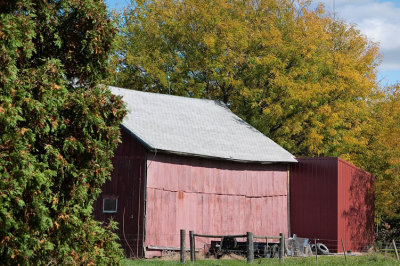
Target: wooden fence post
250 247
281 247
183 248
344 250
192 246
395 249
316 250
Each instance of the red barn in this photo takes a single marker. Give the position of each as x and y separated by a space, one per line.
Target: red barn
332 200
191 164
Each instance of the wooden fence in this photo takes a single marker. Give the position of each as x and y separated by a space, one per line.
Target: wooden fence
249 244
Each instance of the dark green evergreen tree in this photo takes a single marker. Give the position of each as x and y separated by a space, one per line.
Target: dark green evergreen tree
58 130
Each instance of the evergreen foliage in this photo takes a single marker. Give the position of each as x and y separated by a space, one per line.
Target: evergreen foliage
58 130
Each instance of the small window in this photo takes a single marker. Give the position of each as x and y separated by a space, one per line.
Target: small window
110 205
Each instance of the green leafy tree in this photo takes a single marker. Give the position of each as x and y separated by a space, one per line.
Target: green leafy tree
296 74
58 130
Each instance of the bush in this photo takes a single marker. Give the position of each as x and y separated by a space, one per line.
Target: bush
58 130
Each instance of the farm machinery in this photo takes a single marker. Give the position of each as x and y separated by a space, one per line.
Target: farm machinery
295 246
229 245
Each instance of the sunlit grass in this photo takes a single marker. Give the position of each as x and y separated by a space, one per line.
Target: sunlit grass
368 259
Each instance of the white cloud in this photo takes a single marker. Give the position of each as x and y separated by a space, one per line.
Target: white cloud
378 20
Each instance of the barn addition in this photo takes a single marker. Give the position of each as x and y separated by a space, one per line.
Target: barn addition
191 164
332 200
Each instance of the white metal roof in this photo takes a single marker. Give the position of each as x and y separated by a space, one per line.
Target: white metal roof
196 127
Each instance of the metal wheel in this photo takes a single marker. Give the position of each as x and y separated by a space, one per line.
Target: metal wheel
275 251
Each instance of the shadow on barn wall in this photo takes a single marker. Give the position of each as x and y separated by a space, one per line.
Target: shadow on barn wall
358 213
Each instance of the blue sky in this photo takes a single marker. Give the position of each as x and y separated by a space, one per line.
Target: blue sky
380 21
116 3
377 19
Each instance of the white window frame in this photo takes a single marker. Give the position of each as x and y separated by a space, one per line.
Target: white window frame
116 204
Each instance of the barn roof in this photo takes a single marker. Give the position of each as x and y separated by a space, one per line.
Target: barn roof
197 127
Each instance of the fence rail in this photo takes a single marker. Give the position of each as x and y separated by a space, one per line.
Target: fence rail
217 236
269 237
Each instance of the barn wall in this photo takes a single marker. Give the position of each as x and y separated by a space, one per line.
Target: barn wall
313 199
213 197
127 184
356 206
332 200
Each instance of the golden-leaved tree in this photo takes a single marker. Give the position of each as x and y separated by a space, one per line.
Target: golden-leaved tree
382 158
293 72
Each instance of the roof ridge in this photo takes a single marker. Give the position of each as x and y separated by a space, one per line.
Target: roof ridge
168 95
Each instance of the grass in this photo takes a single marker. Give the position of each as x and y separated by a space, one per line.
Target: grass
368 259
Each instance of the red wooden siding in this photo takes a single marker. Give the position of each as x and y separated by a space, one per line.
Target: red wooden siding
356 206
127 184
212 197
332 200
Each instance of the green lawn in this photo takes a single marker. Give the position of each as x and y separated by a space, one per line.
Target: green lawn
369 259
